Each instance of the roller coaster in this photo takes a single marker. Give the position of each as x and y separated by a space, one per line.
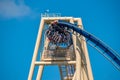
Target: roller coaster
114 57
65 46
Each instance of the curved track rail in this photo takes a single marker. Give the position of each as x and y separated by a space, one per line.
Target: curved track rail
111 55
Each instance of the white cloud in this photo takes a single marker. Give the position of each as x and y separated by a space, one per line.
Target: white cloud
13 9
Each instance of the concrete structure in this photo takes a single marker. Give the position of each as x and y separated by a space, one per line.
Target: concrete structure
73 63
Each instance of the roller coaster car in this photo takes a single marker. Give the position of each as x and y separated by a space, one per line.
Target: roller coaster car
58 34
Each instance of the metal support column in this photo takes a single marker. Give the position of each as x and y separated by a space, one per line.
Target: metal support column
36 50
41 67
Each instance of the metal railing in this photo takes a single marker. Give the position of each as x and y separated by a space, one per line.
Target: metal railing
61 54
50 14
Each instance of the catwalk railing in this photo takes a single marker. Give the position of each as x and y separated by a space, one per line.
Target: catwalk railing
58 55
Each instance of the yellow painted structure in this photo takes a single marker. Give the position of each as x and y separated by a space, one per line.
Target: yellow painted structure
76 57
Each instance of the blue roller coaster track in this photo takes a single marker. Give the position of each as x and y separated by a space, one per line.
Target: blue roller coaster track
106 51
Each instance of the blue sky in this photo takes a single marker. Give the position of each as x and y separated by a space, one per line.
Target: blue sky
19 23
